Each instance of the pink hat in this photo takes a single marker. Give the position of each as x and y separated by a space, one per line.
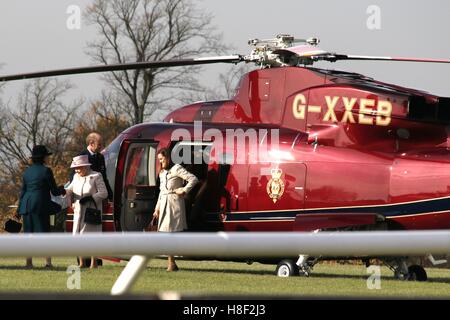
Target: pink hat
80 161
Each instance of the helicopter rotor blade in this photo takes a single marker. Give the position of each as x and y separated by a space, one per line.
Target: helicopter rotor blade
338 57
125 66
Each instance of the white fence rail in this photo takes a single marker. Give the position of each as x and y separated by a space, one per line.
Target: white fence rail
221 244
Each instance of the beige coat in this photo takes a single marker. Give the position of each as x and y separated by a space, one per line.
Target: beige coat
172 213
90 185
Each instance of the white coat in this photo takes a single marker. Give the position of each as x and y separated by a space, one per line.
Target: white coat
90 185
172 213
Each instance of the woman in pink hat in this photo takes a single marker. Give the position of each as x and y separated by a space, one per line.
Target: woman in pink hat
89 190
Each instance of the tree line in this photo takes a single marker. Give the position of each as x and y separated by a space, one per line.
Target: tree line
127 31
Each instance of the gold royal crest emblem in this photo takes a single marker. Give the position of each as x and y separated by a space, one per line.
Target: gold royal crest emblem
275 186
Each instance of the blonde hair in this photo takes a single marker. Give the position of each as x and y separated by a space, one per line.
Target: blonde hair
93 137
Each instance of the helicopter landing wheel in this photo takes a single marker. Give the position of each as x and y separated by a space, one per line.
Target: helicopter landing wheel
287 268
417 273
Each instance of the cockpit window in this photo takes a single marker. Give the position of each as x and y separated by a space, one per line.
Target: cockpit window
111 154
140 168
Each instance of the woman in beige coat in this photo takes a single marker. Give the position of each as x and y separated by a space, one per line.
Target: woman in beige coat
170 210
87 187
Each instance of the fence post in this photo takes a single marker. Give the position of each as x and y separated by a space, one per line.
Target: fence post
129 275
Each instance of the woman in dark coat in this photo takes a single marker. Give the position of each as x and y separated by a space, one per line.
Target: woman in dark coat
35 202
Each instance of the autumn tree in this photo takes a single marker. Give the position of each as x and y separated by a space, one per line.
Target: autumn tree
39 116
107 116
149 30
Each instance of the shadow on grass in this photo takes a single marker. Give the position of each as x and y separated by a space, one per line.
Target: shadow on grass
345 276
334 275
268 272
439 280
216 270
36 268
313 275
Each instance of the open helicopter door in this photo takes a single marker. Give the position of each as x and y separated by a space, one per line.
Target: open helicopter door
140 190
194 156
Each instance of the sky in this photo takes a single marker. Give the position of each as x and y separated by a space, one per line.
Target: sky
35 36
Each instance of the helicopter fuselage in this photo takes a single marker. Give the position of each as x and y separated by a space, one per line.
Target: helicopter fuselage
340 151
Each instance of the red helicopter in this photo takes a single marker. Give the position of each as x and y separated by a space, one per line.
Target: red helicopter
297 148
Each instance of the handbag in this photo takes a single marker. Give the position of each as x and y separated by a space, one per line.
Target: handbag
12 226
93 215
153 226
54 208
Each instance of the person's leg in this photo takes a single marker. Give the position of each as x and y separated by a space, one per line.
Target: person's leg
172 266
44 227
29 262
28 228
48 262
93 263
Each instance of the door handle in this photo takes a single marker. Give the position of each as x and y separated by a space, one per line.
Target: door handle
236 202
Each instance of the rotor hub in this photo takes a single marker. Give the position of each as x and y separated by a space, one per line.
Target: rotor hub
270 52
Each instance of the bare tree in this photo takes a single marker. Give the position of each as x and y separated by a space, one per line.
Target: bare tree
40 117
148 30
108 116
226 89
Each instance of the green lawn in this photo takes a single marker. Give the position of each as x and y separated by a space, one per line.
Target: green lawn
217 278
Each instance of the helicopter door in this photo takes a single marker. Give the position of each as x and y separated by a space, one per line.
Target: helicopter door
140 191
194 157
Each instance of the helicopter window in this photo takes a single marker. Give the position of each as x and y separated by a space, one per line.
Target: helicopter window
420 109
141 171
111 156
194 156
444 110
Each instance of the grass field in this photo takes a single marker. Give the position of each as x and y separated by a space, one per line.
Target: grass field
220 278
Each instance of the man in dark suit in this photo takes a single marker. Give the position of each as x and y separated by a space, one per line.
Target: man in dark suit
94 144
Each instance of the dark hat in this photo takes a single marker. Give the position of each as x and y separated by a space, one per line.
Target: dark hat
39 151
12 226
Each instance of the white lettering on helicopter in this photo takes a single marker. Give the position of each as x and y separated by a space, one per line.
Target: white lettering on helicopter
74 20
370 112
374 20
